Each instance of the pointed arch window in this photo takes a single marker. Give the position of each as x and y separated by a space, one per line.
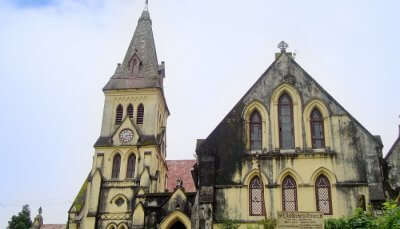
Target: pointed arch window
317 129
286 129
289 194
256 197
129 111
140 114
116 166
323 195
131 166
255 131
118 114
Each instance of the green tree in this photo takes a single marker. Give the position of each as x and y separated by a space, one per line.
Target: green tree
22 220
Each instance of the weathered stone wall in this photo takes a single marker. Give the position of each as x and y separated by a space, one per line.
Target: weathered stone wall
392 160
350 159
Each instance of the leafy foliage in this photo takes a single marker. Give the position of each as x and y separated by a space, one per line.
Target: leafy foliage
390 219
229 224
22 220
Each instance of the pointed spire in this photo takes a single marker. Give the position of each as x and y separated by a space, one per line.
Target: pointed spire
145 13
140 68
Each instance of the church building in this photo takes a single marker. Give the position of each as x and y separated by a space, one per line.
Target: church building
291 147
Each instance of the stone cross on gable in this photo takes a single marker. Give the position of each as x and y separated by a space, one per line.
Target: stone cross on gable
283 46
179 182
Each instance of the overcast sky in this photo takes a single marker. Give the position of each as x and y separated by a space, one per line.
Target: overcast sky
56 55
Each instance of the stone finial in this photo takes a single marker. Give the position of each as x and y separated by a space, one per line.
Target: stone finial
40 210
146 6
283 46
179 183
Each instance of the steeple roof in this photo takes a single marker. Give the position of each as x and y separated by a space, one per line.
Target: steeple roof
139 68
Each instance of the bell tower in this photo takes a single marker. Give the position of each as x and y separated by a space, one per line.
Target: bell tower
130 152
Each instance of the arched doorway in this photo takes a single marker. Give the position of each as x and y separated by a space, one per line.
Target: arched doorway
178 225
176 220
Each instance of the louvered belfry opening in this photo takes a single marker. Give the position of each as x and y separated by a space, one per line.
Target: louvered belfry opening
286 129
317 129
119 113
255 131
289 194
140 114
323 195
131 166
130 111
256 197
116 166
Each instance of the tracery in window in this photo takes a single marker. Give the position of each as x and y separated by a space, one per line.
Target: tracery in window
286 130
116 166
323 195
289 194
119 113
255 131
140 114
130 111
317 129
131 166
256 196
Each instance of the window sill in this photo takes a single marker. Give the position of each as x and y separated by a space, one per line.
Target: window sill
287 151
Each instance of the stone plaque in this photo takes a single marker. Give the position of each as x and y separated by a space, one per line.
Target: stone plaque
300 220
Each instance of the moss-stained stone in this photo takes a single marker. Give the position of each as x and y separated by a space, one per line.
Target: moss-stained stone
80 198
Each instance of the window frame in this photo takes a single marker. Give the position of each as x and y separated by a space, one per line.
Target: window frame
119 114
252 127
317 199
140 114
131 167
290 105
320 122
130 110
283 193
115 174
251 213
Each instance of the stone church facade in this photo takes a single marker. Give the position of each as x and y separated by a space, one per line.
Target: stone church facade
291 147
392 170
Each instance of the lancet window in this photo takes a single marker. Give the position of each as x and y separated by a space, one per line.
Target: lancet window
129 111
255 131
323 195
286 129
256 196
116 166
118 114
289 194
131 166
140 114
317 129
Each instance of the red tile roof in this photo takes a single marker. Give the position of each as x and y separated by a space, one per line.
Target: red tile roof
53 226
182 169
